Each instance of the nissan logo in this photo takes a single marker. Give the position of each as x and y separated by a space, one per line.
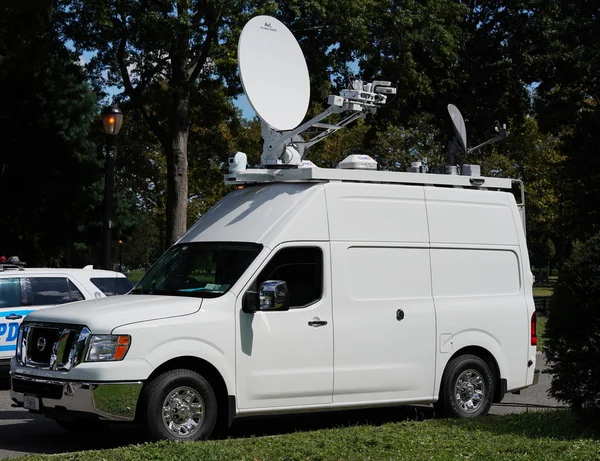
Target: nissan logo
41 344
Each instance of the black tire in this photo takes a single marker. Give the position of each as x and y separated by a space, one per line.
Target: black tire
83 427
179 390
476 397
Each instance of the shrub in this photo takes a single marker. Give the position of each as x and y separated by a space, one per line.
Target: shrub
573 331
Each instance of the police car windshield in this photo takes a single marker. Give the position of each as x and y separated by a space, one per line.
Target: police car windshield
203 270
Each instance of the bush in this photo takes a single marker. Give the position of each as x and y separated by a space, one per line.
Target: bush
573 331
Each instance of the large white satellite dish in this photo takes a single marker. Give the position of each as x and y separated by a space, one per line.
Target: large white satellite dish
273 73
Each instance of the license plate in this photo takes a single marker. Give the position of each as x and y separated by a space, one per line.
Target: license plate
31 402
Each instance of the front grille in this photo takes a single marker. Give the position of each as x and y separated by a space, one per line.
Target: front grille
40 344
42 390
52 347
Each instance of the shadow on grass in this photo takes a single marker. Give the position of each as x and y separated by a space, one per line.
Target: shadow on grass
556 424
546 422
285 424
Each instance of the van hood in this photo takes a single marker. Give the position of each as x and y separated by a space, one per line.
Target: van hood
105 314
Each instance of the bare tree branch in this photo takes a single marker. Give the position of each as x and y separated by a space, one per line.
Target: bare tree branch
211 36
137 96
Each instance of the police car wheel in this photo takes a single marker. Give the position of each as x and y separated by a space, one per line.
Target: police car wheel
179 405
467 388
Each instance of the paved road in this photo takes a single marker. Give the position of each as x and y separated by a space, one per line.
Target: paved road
22 433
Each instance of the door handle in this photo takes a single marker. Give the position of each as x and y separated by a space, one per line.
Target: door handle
317 322
14 317
399 314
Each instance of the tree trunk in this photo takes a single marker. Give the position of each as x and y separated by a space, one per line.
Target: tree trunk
177 165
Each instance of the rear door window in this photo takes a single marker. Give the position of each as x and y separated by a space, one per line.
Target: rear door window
76 295
112 286
48 291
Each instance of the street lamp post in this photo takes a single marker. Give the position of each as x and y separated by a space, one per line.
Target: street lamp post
121 256
112 119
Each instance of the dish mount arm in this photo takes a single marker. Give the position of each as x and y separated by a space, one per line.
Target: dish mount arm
289 148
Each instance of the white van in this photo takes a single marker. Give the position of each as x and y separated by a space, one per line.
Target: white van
307 289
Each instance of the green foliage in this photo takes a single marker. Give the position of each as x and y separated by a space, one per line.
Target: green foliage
527 436
50 164
573 330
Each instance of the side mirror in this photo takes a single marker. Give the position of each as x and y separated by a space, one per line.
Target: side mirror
272 296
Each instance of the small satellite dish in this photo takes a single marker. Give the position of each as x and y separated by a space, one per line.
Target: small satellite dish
459 126
273 73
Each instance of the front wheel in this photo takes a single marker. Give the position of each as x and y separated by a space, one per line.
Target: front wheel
179 405
467 388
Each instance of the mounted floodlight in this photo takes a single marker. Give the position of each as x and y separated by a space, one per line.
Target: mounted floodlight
275 79
237 162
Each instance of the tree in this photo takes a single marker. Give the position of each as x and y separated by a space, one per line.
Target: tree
566 65
573 331
50 167
157 50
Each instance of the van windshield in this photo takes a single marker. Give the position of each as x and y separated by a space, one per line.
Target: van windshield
202 270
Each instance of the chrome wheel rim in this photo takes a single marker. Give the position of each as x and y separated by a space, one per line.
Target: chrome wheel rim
183 412
469 391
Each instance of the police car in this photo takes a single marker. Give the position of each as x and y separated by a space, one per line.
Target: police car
24 290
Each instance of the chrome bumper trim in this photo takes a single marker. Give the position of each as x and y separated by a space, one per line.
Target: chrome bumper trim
536 376
112 401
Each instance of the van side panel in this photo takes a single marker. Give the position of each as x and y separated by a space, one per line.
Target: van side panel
384 341
477 279
384 338
376 213
470 217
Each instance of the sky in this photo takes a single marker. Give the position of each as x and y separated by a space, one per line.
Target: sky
241 102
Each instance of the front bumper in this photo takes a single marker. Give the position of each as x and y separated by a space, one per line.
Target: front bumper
111 401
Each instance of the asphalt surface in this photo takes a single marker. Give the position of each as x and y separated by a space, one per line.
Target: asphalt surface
22 432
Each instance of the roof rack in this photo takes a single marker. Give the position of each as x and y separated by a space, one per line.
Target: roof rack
10 267
253 176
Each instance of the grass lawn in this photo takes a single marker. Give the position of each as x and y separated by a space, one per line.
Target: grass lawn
534 435
543 291
540 330
136 275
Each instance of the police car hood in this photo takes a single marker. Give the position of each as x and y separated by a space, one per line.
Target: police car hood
105 314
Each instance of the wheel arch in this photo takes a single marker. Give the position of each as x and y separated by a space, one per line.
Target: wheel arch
225 400
492 363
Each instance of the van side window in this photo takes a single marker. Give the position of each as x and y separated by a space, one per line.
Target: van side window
10 292
49 290
301 268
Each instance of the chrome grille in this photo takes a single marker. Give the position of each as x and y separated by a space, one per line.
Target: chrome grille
51 347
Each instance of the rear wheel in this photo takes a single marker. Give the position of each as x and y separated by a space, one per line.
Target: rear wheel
467 388
179 405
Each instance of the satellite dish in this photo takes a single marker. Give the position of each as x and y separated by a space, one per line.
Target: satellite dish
273 73
459 126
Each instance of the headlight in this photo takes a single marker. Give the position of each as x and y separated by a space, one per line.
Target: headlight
104 348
